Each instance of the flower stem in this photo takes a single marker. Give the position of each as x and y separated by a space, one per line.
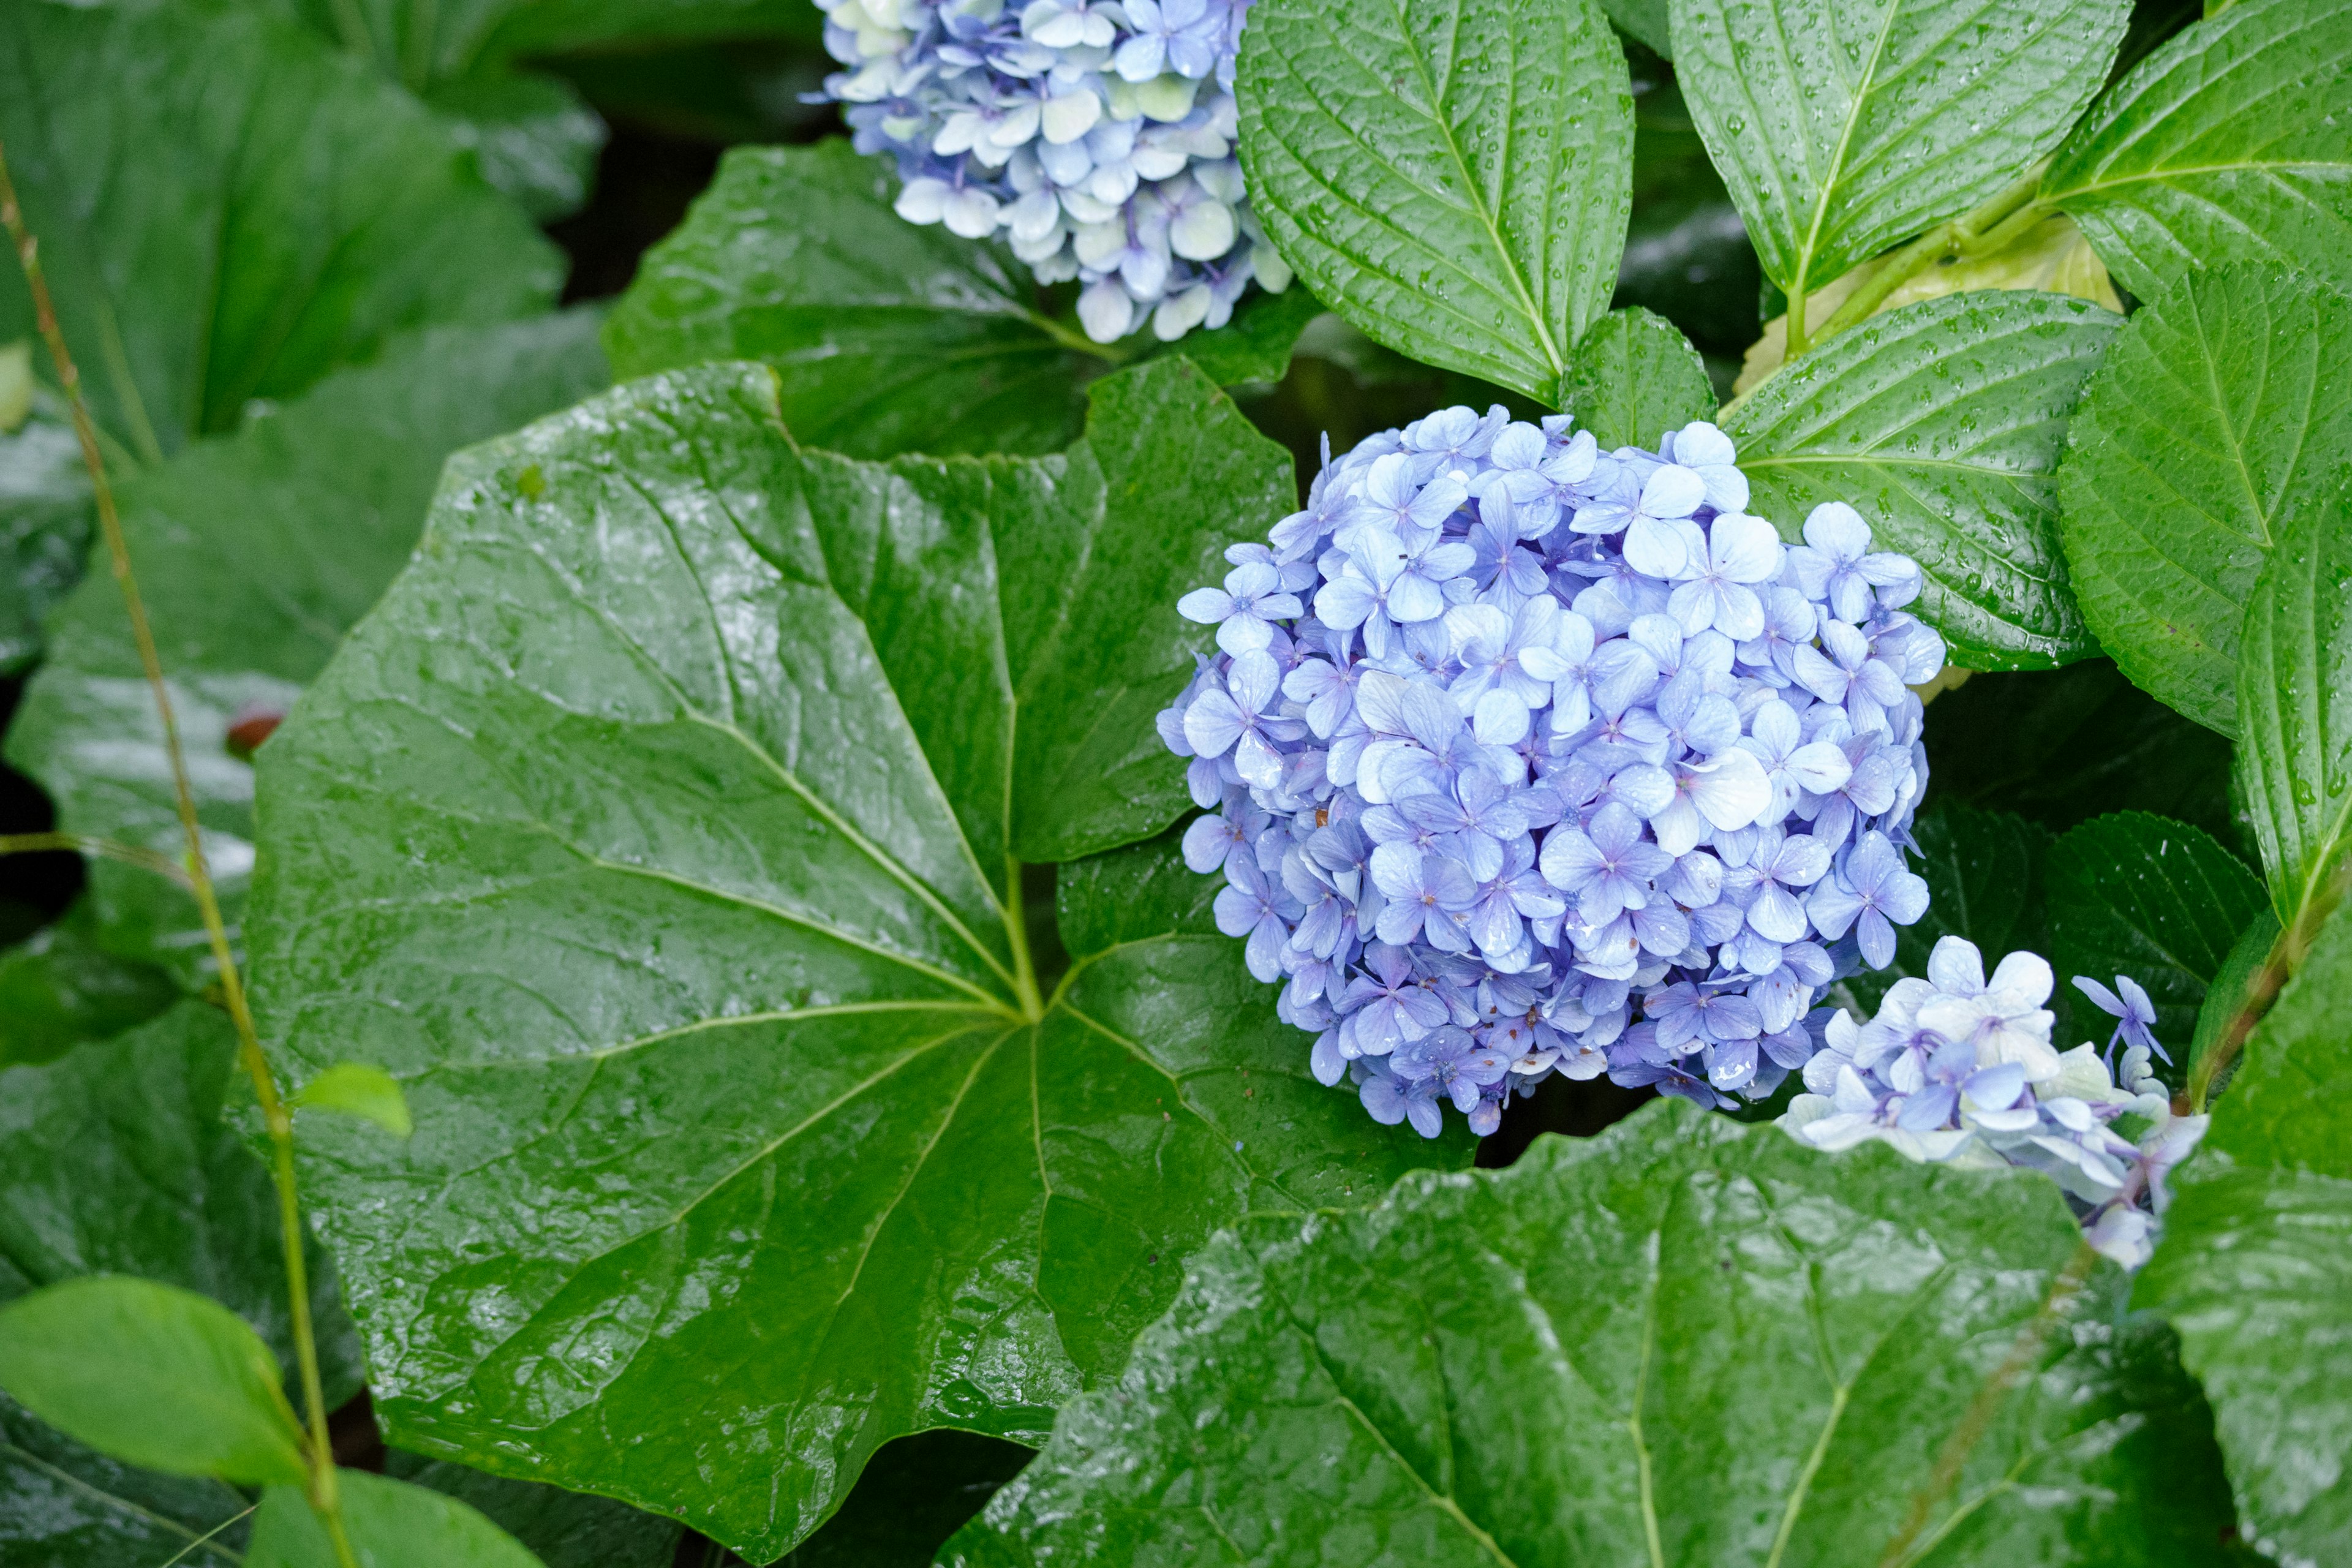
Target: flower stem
85 844
323 1492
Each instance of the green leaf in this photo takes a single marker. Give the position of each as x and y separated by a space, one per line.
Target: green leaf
2159 900
561 1529
154 1376
285 212
254 554
2228 144
2295 707
391 1524
1985 882
1941 423
45 523
2255 1266
1687 256
1842 126
1645 21
533 136
1256 344
2233 989
66 1506
674 802
428 41
1683 1342
2217 409
1452 177
354 1089
60 988
1635 377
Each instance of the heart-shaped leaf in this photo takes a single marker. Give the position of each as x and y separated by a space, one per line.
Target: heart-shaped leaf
1635 376
1686 1342
664 831
2217 409
254 553
1941 423
1451 175
2255 1266
2228 144
1842 126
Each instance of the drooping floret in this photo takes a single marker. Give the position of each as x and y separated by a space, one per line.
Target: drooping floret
1526 758
1096 135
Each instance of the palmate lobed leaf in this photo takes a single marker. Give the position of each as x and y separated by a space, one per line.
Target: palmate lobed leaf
1942 423
2219 408
663 831
1453 177
1683 1343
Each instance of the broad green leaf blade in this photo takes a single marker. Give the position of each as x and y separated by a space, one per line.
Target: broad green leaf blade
1985 873
1635 377
1645 21
60 988
2216 410
1686 1342
392 1524
561 1529
45 523
533 136
674 802
355 1089
66 1506
153 1375
1941 423
2255 1266
2295 707
254 553
229 208
1453 177
2228 144
422 42
2159 900
1842 126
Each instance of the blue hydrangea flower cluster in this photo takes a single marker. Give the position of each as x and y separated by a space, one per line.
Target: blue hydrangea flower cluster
1097 135
1527 758
1960 1070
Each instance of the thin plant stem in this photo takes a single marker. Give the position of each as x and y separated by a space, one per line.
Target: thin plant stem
230 1523
325 1496
86 844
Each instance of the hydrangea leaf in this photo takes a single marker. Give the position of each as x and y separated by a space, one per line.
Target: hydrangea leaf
674 801
1985 873
391 1524
1635 376
2233 988
60 988
533 135
1941 423
561 1529
2294 706
886 336
2217 409
1842 126
1452 177
1683 1341
255 553
285 212
2255 1267
2228 144
2157 901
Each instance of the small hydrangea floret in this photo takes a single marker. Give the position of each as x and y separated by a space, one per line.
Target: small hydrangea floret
1523 758
1095 136
1956 1068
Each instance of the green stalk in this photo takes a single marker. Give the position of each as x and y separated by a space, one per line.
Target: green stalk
324 1494
86 844
1980 231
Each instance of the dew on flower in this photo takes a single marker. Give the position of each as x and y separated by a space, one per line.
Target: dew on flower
1527 760
1095 136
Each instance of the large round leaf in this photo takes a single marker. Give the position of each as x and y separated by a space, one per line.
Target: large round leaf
664 832
1685 1343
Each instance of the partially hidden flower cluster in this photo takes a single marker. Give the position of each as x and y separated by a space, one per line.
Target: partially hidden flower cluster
1960 1070
1096 135
1527 758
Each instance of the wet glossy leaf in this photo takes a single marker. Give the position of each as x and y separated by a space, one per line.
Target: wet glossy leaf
2228 144
1842 126
2294 705
561 1529
1942 423
58 988
354 1089
229 209
915 1493
534 137
44 522
2236 985
1683 1342
662 832
886 336
2217 409
1451 175
254 553
391 1523
1634 378
2255 1266
1644 20
66 1506
1985 873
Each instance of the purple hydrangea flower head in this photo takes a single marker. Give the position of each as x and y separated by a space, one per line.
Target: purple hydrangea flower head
1517 768
1096 137
1955 1070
